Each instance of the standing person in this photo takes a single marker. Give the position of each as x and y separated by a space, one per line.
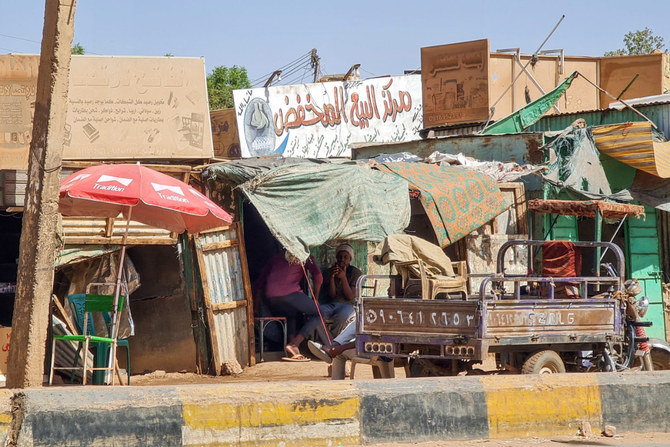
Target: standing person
280 281
341 288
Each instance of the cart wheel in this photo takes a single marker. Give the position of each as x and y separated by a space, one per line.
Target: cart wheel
660 358
416 369
543 362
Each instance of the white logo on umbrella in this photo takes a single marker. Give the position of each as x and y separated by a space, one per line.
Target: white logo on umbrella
76 179
108 178
175 189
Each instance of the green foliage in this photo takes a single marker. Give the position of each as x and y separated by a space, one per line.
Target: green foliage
78 49
220 85
169 55
639 42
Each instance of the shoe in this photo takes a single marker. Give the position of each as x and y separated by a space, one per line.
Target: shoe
318 351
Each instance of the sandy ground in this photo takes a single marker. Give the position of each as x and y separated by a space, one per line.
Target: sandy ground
267 371
271 370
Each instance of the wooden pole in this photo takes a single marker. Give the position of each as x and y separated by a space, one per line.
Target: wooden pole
38 235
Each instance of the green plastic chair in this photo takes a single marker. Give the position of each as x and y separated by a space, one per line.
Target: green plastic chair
77 307
83 306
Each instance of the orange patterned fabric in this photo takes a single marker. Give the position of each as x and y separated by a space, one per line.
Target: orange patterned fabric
456 200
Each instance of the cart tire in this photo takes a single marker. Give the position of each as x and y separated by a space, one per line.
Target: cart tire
660 359
543 362
416 369
429 368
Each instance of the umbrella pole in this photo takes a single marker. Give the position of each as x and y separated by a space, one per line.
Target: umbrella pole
117 293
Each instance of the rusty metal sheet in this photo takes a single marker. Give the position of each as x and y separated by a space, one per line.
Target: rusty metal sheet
455 80
224 133
616 73
509 319
520 148
225 283
406 316
586 208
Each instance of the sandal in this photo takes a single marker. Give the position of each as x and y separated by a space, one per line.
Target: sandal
296 358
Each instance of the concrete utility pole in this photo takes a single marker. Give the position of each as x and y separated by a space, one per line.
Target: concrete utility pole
40 216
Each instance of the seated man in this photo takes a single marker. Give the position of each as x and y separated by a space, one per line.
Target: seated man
343 349
341 288
280 280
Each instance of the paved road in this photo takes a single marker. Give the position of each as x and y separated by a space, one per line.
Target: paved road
620 440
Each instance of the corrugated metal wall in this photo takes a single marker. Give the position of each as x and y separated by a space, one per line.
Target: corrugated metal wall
90 230
224 271
225 281
658 113
664 242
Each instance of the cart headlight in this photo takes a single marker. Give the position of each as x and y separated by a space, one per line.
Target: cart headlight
641 305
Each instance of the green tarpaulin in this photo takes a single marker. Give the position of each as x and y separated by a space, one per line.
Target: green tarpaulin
242 170
531 113
307 205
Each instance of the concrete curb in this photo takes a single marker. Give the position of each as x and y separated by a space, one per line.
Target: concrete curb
335 413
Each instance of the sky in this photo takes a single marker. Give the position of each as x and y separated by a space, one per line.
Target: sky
384 36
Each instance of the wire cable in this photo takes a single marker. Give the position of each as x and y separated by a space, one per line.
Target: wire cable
299 61
20 38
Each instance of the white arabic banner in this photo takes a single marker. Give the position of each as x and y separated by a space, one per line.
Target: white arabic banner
324 119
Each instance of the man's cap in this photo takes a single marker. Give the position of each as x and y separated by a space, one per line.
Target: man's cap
347 248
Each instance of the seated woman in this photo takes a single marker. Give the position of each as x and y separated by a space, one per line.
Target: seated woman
280 281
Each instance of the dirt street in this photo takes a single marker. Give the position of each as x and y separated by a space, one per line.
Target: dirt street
268 371
273 370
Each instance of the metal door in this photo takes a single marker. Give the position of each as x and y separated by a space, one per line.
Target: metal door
643 262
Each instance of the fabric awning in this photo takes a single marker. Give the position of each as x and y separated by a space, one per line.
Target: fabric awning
636 145
306 205
71 254
585 208
531 113
456 200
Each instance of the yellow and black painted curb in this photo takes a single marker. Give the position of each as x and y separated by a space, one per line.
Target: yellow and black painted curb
332 413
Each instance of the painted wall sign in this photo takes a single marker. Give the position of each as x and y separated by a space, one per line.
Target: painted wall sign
322 120
455 83
224 133
118 108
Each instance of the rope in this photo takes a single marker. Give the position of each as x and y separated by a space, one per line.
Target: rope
316 303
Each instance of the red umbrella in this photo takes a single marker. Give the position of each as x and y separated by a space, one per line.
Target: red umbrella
151 197
140 194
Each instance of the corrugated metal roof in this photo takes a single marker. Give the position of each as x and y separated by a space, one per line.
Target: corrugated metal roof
658 113
645 100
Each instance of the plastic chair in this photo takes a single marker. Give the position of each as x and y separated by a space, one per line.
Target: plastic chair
83 306
98 378
416 278
381 369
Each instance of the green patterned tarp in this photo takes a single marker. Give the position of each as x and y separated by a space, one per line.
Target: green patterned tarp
457 201
307 205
